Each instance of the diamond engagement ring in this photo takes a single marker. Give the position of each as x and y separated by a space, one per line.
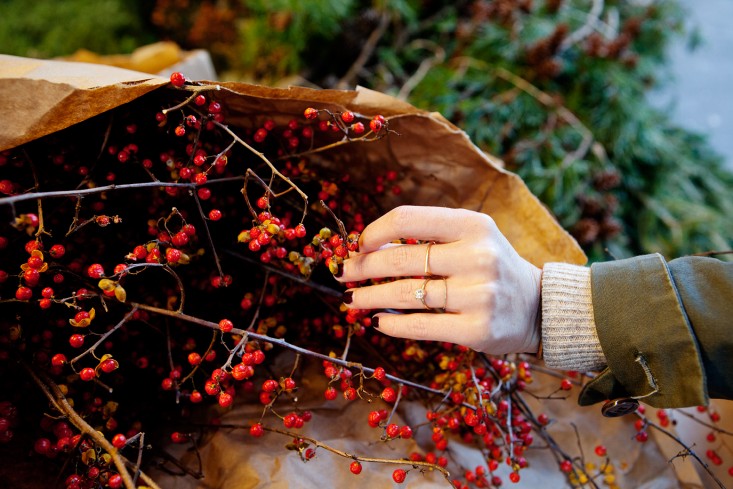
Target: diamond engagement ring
422 293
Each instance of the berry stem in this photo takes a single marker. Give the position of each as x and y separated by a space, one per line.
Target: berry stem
210 239
396 403
687 451
284 344
103 337
12 199
196 89
196 367
264 158
255 317
319 444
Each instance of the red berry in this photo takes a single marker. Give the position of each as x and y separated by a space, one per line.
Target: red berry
310 113
374 418
566 466
23 293
76 340
399 476
194 358
406 432
214 107
375 125
256 430
600 451
95 271
177 437
270 385
566 385
226 325
358 128
199 100
392 430
177 79
212 387
379 373
109 365
87 374
642 436
214 214
348 117
260 135
259 356
172 255
514 477
355 467
350 394
225 399
58 360
180 130
119 440
179 239
288 384
389 394
330 393
200 178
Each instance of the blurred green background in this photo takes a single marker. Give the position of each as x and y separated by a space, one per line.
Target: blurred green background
557 88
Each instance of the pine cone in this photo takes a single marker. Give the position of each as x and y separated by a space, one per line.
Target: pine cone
586 231
607 180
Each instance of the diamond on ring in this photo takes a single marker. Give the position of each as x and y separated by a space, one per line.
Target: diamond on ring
420 294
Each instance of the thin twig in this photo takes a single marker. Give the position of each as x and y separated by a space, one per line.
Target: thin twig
366 52
289 346
689 451
586 29
319 444
104 336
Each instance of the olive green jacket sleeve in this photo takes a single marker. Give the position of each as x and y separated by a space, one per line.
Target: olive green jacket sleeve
666 330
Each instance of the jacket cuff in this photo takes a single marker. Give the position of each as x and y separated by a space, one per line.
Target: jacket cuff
646 337
569 339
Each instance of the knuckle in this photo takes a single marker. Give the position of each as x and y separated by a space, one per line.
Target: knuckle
399 217
485 297
404 291
484 258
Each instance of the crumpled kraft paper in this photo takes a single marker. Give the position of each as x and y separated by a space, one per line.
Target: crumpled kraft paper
439 163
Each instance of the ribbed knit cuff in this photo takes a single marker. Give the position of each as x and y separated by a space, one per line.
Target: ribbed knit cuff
569 338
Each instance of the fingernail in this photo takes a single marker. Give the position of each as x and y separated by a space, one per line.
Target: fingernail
348 297
375 322
340 271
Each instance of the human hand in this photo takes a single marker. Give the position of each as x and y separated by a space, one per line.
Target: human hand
491 295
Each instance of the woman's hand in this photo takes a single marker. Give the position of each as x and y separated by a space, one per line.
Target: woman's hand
491 295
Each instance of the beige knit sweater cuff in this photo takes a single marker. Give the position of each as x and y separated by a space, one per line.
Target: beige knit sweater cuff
569 338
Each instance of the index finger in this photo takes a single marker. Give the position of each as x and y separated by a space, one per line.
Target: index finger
440 224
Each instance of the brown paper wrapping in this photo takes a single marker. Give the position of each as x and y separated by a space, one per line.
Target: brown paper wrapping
441 165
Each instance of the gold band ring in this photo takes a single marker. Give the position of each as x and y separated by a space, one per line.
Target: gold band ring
427 260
